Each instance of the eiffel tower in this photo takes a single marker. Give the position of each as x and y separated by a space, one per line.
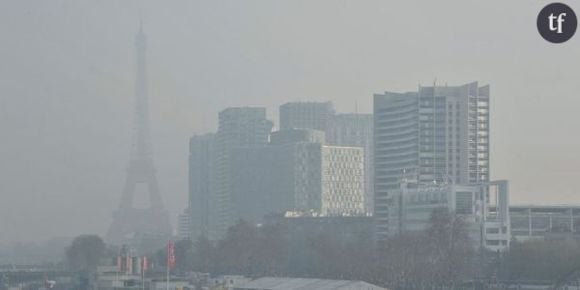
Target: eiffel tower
140 227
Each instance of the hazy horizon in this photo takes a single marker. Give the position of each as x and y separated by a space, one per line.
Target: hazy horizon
67 89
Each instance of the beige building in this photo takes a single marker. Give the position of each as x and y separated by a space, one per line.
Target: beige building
342 181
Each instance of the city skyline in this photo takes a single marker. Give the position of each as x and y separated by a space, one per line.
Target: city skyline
74 99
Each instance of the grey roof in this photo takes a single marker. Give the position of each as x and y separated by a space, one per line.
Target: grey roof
272 283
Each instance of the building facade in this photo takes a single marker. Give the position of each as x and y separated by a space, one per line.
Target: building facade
440 134
262 180
529 222
342 181
238 127
202 203
306 115
292 136
184 225
296 172
483 207
307 174
356 130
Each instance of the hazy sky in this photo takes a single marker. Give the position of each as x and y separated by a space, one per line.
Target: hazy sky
67 79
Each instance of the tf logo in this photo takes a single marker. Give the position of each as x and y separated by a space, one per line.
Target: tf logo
557 22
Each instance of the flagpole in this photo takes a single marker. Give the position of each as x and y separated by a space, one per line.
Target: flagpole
170 259
143 269
168 262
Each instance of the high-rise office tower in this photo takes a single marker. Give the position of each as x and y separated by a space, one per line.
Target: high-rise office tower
356 130
306 115
238 127
202 206
439 134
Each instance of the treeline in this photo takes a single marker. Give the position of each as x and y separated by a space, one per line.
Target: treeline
539 260
441 255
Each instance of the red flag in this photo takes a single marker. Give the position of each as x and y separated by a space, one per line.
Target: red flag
171 255
145 264
129 265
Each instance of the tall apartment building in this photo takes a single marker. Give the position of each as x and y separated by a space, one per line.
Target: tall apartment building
439 134
356 130
202 202
306 115
238 127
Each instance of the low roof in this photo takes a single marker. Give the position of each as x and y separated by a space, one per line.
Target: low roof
267 283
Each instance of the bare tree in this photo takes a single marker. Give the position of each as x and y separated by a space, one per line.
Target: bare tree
450 248
83 256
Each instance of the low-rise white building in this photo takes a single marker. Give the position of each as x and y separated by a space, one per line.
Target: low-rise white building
545 222
484 207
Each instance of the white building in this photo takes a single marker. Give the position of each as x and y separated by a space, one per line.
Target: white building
530 222
484 207
356 130
350 130
438 133
342 181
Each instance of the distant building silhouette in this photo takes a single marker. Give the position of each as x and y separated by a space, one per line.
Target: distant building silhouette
352 129
306 115
184 225
246 172
202 202
143 228
238 127
297 172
